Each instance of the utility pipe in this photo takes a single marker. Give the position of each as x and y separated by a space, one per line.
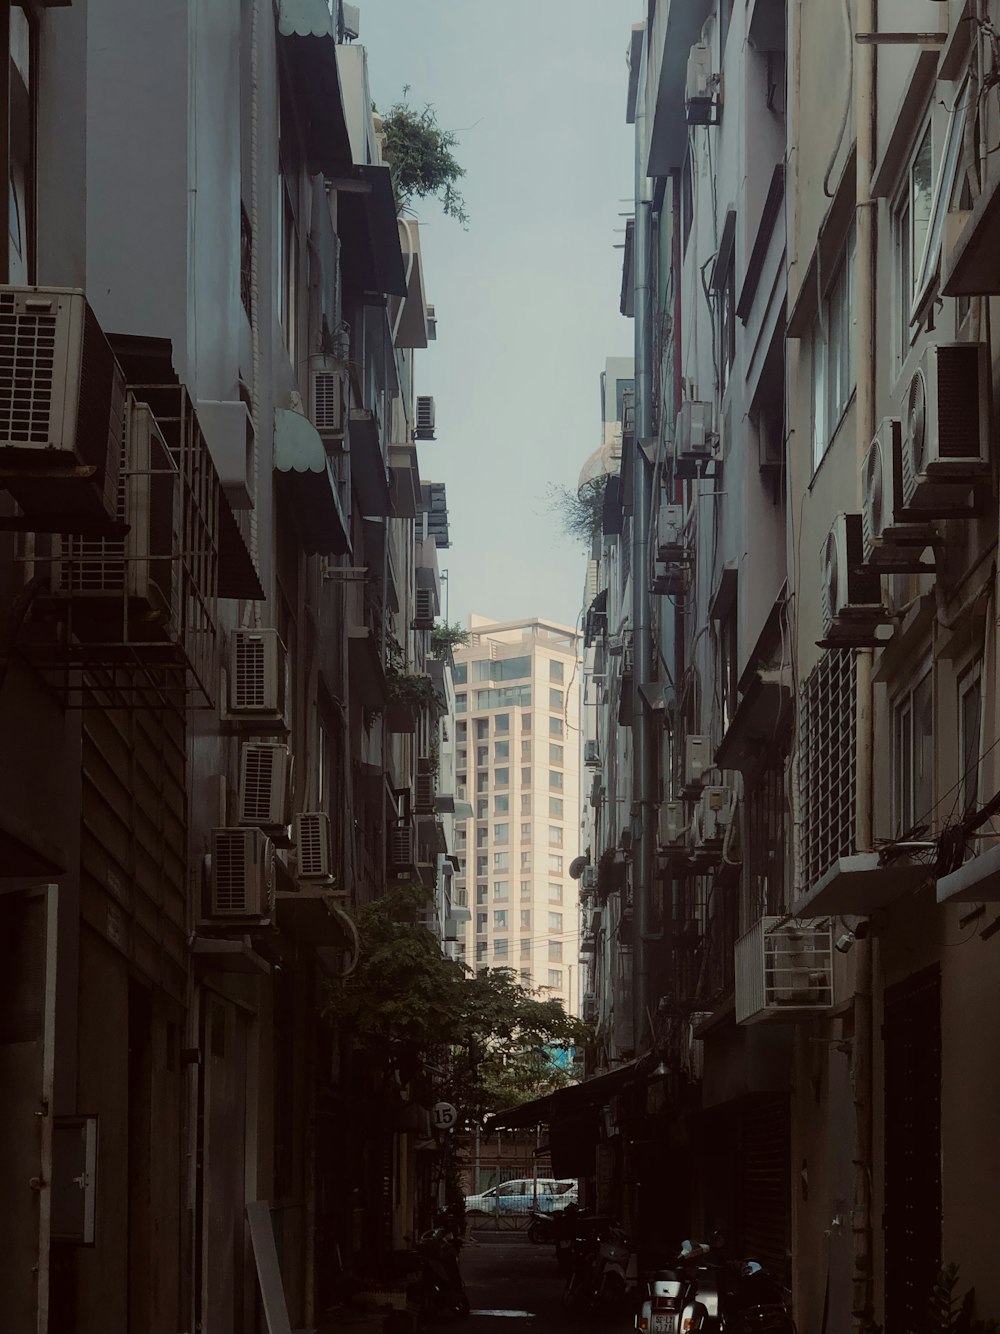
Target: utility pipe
861 1215
643 792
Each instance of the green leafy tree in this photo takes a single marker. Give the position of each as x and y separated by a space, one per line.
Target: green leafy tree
421 160
487 1038
446 637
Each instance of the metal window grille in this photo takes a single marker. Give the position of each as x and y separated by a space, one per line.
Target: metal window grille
827 763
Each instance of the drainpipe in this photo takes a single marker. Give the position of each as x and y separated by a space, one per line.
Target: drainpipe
861 1217
643 791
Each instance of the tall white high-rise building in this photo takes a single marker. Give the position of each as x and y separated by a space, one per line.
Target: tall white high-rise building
517 763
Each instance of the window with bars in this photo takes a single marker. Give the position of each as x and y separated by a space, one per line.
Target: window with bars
827 763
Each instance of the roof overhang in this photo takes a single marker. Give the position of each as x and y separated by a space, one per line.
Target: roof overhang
412 327
368 472
677 26
977 881
309 52
404 471
858 885
308 479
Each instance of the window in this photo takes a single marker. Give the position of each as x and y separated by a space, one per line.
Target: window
500 919
525 802
461 731
525 861
482 836
555 754
21 123
482 781
482 728
461 702
462 898
461 757
501 804
912 756
501 750
501 833
969 707
555 951
288 287
555 921
555 978
525 972
555 836
500 861
482 807
525 889
910 220
499 949
481 865
525 750
555 727
461 778
525 722
555 779
501 723
482 756
525 919
725 315
556 807
481 948
555 669
526 777
501 890
556 699
501 669
482 893
834 373
555 862
460 673
555 893
525 833
501 777
482 919
525 954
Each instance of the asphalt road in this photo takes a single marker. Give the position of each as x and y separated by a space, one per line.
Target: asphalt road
514 1286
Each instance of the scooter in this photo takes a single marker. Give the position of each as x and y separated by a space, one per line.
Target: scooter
663 1295
441 1290
598 1279
755 1303
704 1270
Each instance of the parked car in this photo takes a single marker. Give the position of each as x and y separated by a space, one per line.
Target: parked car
523 1195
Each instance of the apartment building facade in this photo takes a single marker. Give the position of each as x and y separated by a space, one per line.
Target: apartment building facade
798 566
216 696
517 764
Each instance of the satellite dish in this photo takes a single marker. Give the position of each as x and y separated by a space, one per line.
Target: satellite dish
576 866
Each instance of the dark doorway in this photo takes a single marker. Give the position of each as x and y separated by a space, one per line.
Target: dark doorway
912 1036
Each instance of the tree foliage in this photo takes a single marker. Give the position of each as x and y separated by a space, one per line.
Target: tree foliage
446 637
489 1038
580 513
421 160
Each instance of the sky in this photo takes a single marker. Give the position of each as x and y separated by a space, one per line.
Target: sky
527 297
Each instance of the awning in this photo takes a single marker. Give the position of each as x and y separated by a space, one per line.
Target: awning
310 485
372 257
859 884
368 472
309 50
977 881
758 717
238 577
570 1101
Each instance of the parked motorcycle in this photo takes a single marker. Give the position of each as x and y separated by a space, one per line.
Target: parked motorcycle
755 1302
598 1279
704 1269
736 1297
549 1226
441 1290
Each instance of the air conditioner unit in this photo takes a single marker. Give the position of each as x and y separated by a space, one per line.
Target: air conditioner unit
265 784
670 532
424 429
701 87
588 879
140 571
257 675
401 850
591 754
697 759
423 609
313 844
242 876
784 968
588 1010
693 438
326 399
423 794
714 816
889 544
62 399
946 430
851 607
671 824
